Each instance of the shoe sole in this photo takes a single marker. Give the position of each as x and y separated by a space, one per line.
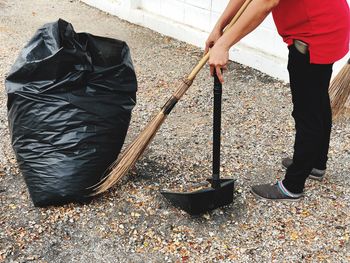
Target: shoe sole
275 200
313 177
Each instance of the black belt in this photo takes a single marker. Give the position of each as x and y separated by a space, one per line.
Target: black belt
301 46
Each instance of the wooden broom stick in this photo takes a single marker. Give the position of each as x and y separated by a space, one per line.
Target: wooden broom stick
133 152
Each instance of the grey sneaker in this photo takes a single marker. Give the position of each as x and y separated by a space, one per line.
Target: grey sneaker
316 174
276 192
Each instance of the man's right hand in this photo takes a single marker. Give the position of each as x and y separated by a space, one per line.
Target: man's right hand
213 37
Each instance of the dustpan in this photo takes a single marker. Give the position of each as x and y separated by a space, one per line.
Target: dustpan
220 192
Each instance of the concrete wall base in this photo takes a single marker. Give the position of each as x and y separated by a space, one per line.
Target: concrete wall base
273 64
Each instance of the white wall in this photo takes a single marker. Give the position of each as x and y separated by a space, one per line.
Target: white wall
192 20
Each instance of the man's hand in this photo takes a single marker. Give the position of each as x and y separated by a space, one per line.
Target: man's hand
218 59
254 14
212 38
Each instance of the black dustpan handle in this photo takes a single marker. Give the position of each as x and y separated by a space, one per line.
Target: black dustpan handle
216 131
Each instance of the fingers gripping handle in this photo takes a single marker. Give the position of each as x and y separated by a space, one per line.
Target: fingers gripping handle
204 60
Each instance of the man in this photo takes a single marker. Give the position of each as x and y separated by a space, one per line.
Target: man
317 35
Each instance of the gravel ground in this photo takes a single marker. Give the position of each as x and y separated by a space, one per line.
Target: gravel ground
133 222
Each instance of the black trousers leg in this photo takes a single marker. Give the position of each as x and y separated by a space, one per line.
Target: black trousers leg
312 114
321 160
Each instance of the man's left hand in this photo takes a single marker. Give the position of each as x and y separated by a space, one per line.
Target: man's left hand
218 59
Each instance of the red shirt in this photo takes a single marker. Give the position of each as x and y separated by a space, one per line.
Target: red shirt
323 24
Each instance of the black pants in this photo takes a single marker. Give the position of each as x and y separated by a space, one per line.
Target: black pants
313 117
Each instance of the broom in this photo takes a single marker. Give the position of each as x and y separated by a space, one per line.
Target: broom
339 92
133 152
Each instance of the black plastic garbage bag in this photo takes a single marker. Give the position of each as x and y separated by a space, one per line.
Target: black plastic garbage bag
70 97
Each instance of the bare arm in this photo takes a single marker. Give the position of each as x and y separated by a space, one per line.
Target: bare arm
229 12
253 16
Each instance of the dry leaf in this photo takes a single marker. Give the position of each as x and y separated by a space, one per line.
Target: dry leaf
294 236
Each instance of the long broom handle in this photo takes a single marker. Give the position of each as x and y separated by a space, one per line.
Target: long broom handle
134 151
187 82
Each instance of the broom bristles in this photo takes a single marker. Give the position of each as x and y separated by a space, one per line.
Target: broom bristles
128 159
339 92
